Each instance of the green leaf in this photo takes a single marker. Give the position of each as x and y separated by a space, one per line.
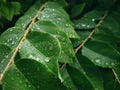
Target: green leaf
104 35
68 82
83 35
11 37
59 17
78 77
106 4
67 53
85 74
42 47
15 7
30 75
109 80
77 10
91 72
9 9
63 3
24 21
113 25
94 15
84 23
101 54
5 55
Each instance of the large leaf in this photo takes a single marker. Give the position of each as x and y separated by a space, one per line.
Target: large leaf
24 76
54 13
77 10
42 47
85 74
67 53
101 54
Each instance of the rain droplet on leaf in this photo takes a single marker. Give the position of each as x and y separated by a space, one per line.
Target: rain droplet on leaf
47 59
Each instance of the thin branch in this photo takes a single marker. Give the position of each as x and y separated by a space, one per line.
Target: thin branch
116 75
21 41
89 36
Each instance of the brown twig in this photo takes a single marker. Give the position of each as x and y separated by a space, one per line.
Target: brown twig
116 75
89 36
21 41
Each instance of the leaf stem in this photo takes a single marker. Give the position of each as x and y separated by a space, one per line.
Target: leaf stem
116 75
21 41
89 36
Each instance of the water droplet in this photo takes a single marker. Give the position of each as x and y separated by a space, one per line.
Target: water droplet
10 39
93 19
47 59
57 21
53 9
20 81
12 78
30 56
83 25
2 61
84 72
67 25
113 64
97 60
88 26
13 43
29 86
38 28
23 25
106 63
37 59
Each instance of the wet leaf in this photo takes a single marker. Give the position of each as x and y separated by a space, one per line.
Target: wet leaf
101 54
84 23
24 76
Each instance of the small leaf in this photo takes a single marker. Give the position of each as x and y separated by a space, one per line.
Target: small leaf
113 26
94 15
77 10
59 17
5 55
9 9
101 54
104 35
29 15
16 7
68 82
11 37
84 23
